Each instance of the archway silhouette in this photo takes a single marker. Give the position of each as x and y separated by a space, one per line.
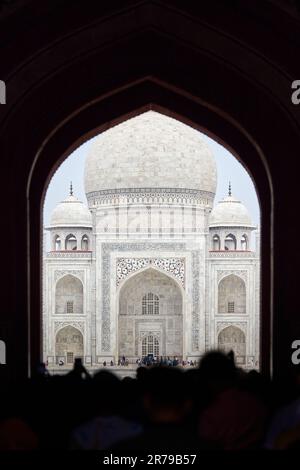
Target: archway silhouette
142 110
150 64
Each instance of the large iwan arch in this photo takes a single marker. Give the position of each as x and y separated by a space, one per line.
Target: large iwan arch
140 326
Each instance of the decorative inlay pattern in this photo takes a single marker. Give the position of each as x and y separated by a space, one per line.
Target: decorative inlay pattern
196 299
150 196
173 266
228 272
222 325
69 254
232 254
77 273
61 324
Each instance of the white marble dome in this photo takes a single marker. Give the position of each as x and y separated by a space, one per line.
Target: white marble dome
230 212
71 213
150 151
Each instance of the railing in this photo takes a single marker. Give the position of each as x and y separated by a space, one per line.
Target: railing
231 254
69 254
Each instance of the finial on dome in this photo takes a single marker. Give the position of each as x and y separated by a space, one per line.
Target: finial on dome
229 189
71 189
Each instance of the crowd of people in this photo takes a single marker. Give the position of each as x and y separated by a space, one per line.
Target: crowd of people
151 360
215 405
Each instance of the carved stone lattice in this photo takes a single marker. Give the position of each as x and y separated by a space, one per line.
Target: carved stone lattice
173 266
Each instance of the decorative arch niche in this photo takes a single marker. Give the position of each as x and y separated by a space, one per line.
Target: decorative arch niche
69 295
233 339
68 344
232 295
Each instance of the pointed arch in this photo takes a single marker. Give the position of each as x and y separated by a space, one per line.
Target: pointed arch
232 338
68 344
232 295
70 242
85 243
69 295
57 245
216 243
230 242
245 242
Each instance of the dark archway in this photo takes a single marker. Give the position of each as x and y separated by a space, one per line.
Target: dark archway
181 60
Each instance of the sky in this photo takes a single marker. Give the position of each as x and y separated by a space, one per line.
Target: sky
228 167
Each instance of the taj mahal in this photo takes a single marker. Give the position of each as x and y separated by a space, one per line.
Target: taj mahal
152 265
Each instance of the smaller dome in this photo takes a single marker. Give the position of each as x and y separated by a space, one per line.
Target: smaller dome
71 213
230 212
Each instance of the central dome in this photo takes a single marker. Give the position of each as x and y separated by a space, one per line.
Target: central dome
150 151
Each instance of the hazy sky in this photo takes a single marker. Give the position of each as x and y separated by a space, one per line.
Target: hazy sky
229 169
